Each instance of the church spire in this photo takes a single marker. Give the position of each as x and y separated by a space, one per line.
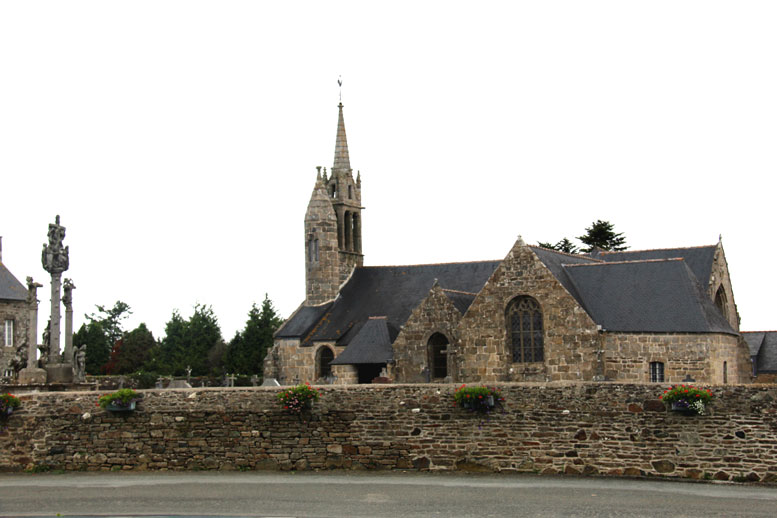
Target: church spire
341 144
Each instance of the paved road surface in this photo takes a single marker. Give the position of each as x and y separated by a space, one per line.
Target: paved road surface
391 495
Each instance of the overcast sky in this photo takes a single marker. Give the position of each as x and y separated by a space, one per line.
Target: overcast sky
178 140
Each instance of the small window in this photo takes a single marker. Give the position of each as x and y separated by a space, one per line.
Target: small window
657 372
725 372
350 192
8 333
8 373
315 249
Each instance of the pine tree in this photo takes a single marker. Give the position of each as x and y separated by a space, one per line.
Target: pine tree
602 235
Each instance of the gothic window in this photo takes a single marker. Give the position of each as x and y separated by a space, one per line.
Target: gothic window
348 231
721 301
8 333
524 329
438 356
324 357
357 235
657 372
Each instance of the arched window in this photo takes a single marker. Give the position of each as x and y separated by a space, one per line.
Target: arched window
524 329
722 301
333 189
324 357
438 356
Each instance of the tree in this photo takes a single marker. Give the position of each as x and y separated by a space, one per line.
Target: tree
601 235
110 319
246 351
131 352
565 245
188 342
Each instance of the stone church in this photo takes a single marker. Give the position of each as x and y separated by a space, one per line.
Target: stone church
663 315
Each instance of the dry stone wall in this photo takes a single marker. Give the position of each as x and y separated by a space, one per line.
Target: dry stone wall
586 428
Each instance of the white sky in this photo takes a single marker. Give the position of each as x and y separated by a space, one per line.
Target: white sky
178 140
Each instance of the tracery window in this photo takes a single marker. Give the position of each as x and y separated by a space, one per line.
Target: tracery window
525 331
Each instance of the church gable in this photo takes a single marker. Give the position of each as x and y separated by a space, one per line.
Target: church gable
421 350
528 290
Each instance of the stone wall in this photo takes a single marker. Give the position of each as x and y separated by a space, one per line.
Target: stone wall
701 356
587 428
720 277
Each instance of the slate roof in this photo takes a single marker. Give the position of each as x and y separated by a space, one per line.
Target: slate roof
460 299
698 258
653 296
390 291
10 287
372 344
302 321
763 347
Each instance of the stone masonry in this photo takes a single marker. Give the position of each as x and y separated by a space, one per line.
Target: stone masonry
582 428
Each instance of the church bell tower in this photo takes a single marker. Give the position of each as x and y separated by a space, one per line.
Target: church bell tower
333 225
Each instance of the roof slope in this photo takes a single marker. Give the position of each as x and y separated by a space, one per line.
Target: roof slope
372 344
302 322
10 287
555 262
698 258
390 291
655 296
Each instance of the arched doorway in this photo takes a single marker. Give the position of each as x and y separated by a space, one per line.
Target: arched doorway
324 357
438 356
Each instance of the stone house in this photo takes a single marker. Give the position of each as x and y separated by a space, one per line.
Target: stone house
14 311
535 315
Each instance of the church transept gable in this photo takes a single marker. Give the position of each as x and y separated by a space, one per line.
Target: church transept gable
564 342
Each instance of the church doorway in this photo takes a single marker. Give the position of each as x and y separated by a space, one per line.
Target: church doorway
369 371
438 356
324 357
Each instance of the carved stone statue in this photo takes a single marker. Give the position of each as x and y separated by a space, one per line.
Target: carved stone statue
32 290
79 364
19 360
45 347
67 298
54 257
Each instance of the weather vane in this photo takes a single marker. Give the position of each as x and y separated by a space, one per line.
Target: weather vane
340 84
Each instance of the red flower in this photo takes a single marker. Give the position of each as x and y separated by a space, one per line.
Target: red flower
661 397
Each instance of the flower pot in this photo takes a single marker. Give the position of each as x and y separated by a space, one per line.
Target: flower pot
681 407
121 407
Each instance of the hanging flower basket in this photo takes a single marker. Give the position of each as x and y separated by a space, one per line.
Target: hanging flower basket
123 400
299 398
478 399
7 404
686 399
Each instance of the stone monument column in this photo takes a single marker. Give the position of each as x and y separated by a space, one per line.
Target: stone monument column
56 259
67 300
32 375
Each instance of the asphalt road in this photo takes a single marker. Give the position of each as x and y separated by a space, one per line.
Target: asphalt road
394 495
